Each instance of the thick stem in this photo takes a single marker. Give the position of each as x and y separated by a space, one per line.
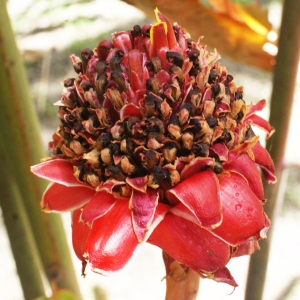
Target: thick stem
23 147
182 283
281 104
20 236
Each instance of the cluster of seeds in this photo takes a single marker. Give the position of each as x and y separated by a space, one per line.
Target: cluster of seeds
135 111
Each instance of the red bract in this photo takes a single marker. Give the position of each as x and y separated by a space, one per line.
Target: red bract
155 143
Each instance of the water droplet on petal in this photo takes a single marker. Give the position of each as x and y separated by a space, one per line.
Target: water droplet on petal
237 194
250 212
238 207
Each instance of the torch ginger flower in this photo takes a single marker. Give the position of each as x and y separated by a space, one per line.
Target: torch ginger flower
155 144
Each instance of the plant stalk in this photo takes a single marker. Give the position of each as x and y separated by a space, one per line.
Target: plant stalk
182 283
284 79
21 136
20 236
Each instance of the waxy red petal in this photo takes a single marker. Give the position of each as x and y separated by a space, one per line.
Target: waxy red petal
122 40
220 150
143 207
138 183
135 63
256 107
108 186
200 193
246 249
61 198
80 233
112 240
197 165
244 165
57 170
261 123
158 38
264 160
242 148
170 32
130 110
190 244
98 206
182 211
243 214
224 275
163 77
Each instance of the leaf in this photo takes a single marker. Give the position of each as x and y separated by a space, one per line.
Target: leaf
237 36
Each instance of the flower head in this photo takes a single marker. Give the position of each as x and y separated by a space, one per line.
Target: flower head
155 143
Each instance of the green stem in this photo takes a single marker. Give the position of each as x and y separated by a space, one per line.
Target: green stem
20 236
285 73
21 137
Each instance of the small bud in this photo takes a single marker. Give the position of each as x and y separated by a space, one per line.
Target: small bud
103 140
173 176
100 68
106 156
218 167
115 173
170 152
175 57
101 115
165 109
174 128
212 122
103 49
121 191
86 55
118 77
214 76
178 72
114 96
194 55
77 147
152 85
68 82
150 159
92 157
149 106
101 84
184 114
155 125
187 140
126 166
93 180
208 109
201 149
136 31
155 64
